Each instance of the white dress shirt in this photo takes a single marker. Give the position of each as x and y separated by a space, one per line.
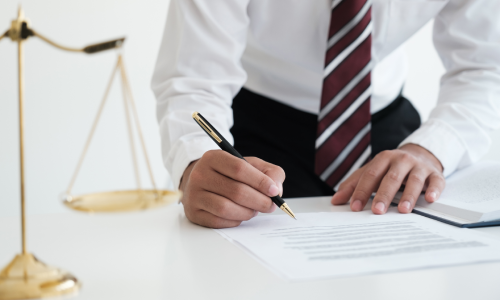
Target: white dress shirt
276 48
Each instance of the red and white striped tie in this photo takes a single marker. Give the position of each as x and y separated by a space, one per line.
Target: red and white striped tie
344 120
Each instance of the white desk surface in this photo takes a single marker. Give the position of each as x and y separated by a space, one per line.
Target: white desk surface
159 254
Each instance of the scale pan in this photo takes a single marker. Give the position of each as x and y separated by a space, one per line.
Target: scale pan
122 200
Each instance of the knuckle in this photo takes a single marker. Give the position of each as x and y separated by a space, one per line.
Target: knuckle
372 173
416 178
384 196
239 168
263 183
222 209
238 193
344 185
404 156
361 195
394 176
196 175
385 154
437 178
264 205
208 155
348 184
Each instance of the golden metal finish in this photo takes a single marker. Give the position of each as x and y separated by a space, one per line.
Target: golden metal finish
136 118
284 207
20 65
130 131
88 49
120 201
38 35
26 278
16 26
20 29
206 127
6 34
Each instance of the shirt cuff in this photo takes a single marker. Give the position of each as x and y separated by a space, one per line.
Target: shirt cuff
442 141
184 152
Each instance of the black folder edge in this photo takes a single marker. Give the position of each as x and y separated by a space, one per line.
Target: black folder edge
461 225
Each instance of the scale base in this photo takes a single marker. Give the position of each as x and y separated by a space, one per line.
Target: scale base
26 278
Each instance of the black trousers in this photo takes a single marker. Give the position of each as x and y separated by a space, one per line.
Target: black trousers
285 136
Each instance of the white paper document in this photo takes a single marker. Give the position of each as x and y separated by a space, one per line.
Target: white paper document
336 244
471 194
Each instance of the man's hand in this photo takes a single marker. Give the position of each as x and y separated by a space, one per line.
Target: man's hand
221 190
411 165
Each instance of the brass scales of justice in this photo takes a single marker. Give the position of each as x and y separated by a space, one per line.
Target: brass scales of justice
25 277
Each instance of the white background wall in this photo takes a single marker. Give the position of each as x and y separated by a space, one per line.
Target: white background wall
63 91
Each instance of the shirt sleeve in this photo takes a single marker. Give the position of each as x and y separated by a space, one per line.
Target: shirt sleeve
467 38
198 69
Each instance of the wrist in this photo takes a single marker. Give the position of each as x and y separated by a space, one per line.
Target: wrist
185 175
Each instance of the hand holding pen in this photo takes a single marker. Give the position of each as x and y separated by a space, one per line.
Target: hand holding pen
221 190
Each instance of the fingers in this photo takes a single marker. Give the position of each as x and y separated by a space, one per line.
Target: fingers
346 188
399 167
238 192
414 166
369 181
221 190
242 171
414 185
436 186
225 208
275 172
209 220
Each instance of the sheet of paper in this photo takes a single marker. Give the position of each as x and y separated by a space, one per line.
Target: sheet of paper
337 244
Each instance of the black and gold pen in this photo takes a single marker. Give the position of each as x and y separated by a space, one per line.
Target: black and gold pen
225 146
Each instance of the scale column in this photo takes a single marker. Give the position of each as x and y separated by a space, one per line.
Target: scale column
21 141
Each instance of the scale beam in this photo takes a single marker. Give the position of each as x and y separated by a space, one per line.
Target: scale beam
91 49
20 30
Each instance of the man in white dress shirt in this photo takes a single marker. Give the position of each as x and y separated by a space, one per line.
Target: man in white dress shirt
315 87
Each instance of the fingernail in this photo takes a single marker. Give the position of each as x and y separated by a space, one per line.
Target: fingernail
255 214
433 195
380 206
357 205
273 190
280 186
406 205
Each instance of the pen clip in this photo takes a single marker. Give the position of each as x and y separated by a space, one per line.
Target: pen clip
207 128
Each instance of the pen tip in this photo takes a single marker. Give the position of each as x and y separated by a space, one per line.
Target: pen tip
284 207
